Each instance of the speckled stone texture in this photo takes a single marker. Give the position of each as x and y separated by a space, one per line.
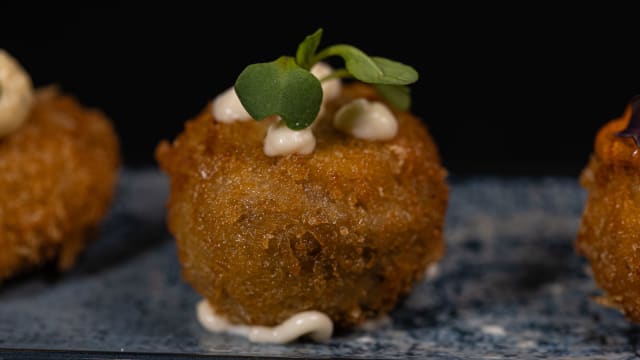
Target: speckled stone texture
509 286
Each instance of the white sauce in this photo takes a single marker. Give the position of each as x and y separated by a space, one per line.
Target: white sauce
366 120
331 88
227 108
281 140
16 94
315 324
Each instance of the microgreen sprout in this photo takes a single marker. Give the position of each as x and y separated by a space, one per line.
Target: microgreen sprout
286 87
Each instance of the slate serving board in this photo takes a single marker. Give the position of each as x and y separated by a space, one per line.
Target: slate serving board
509 286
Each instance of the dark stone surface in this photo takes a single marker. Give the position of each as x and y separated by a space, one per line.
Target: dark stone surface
509 286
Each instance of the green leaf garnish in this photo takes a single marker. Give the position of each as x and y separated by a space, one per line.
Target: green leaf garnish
372 70
307 49
281 88
358 64
395 73
286 87
399 96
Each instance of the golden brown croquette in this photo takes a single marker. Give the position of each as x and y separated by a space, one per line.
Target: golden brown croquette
57 177
346 230
610 232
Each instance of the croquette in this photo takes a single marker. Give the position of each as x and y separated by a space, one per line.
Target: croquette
346 230
57 177
609 235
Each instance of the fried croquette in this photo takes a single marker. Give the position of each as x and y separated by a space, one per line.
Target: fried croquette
609 235
57 177
346 230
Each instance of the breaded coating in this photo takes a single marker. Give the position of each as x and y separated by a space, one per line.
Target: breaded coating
610 232
57 177
346 230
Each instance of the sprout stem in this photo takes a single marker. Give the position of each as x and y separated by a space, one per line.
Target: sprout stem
337 74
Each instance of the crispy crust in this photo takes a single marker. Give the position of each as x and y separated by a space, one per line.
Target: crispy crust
609 235
57 176
346 230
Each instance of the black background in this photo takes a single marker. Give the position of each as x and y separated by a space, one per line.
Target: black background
504 90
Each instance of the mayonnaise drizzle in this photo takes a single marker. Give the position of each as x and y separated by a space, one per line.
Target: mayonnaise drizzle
16 94
281 140
366 120
331 88
227 107
317 325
